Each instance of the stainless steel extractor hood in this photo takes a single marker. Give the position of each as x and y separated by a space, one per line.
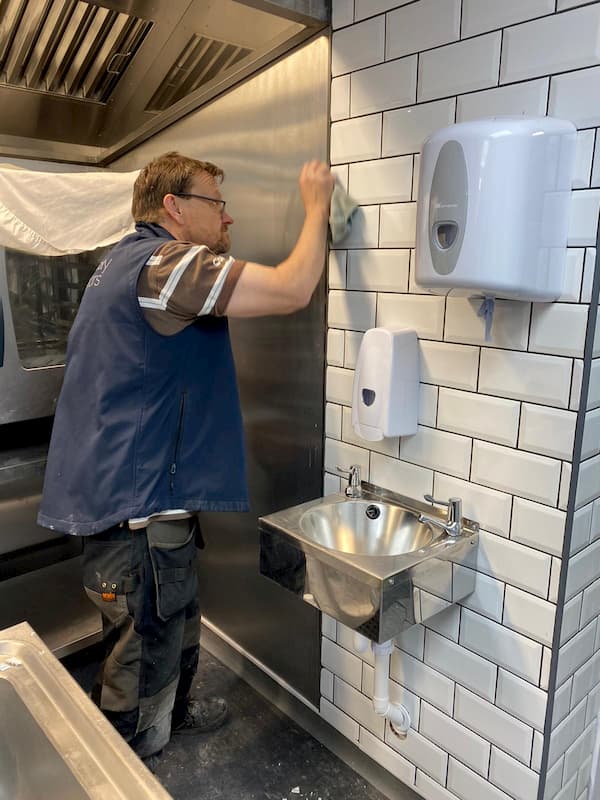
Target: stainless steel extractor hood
85 80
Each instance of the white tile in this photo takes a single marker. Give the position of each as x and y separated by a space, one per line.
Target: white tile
582 528
367 8
524 474
514 778
337 269
422 680
340 173
439 615
493 724
551 44
335 348
338 385
522 700
467 785
576 384
491 509
562 699
476 415
596 164
536 751
488 596
455 739
511 562
446 452
590 445
571 615
583 159
365 228
486 15
526 376
584 680
342 454
431 790
342 663
342 13
391 761
591 603
527 98
588 271
340 721
558 328
401 477
328 626
451 365
421 25
326 685
461 67
428 402
561 5
388 446
340 98
423 314
555 570
460 664
358 46
351 310
545 671
583 779
385 86
554 780
530 615
575 653
573 275
548 431
405 129
588 482
331 484
584 217
566 733
575 96
510 327
416 166
412 641
505 648
593 400
387 180
352 348
418 750
565 486
398 225
356 705
333 421
538 526
356 139
577 752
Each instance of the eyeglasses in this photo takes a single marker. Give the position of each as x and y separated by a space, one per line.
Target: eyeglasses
219 205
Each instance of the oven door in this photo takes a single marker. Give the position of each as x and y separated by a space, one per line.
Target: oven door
39 297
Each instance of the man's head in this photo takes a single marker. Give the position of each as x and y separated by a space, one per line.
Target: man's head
182 194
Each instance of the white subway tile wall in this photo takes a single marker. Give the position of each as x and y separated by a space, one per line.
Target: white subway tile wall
497 417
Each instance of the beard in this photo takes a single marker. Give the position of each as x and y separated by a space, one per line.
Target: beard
223 245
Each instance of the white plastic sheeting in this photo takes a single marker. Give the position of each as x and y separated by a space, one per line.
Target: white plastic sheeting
54 213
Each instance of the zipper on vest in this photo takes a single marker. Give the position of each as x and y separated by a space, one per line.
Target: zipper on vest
173 468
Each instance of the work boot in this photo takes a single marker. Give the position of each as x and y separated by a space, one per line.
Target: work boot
201 716
152 761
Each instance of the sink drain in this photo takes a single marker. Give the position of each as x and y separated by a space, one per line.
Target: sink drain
373 512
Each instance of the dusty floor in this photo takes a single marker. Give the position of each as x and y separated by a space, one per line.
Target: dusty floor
259 754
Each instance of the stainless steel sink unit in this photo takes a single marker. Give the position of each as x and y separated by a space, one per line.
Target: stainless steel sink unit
54 742
378 563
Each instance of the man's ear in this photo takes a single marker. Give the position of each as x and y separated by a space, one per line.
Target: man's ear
171 207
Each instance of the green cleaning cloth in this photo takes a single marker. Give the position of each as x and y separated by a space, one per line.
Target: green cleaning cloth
340 214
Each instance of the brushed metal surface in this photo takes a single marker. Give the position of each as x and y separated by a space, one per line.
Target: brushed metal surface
347 526
374 591
261 133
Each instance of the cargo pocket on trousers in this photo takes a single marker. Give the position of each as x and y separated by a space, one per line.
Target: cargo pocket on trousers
106 577
173 555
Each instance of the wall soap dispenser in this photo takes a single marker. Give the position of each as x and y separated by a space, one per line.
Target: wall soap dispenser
493 210
385 397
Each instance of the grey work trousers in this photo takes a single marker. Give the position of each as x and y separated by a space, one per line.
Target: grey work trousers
145 584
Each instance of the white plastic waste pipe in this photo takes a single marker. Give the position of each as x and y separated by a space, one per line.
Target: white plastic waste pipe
396 713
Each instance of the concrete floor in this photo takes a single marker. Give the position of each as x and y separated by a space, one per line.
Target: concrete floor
259 754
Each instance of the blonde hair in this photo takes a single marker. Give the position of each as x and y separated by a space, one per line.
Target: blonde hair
170 173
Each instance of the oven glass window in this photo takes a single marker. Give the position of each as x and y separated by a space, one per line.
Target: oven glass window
44 294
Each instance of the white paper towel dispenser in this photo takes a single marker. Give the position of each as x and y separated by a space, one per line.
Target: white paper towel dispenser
493 210
385 397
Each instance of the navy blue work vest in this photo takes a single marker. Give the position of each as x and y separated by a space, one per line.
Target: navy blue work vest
144 422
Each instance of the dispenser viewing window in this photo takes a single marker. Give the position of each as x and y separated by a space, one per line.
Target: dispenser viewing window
493 211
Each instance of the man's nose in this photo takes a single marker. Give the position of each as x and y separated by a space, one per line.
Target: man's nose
227 219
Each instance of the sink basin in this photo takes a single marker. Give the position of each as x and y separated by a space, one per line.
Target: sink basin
366 528
368 562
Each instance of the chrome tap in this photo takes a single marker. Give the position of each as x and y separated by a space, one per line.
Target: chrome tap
354 489
453 524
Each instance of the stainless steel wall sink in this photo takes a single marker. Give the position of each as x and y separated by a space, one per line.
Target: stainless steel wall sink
369 562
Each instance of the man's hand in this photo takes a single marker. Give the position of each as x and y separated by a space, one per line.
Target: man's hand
316 186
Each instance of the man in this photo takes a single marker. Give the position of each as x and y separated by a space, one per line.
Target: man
148 429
